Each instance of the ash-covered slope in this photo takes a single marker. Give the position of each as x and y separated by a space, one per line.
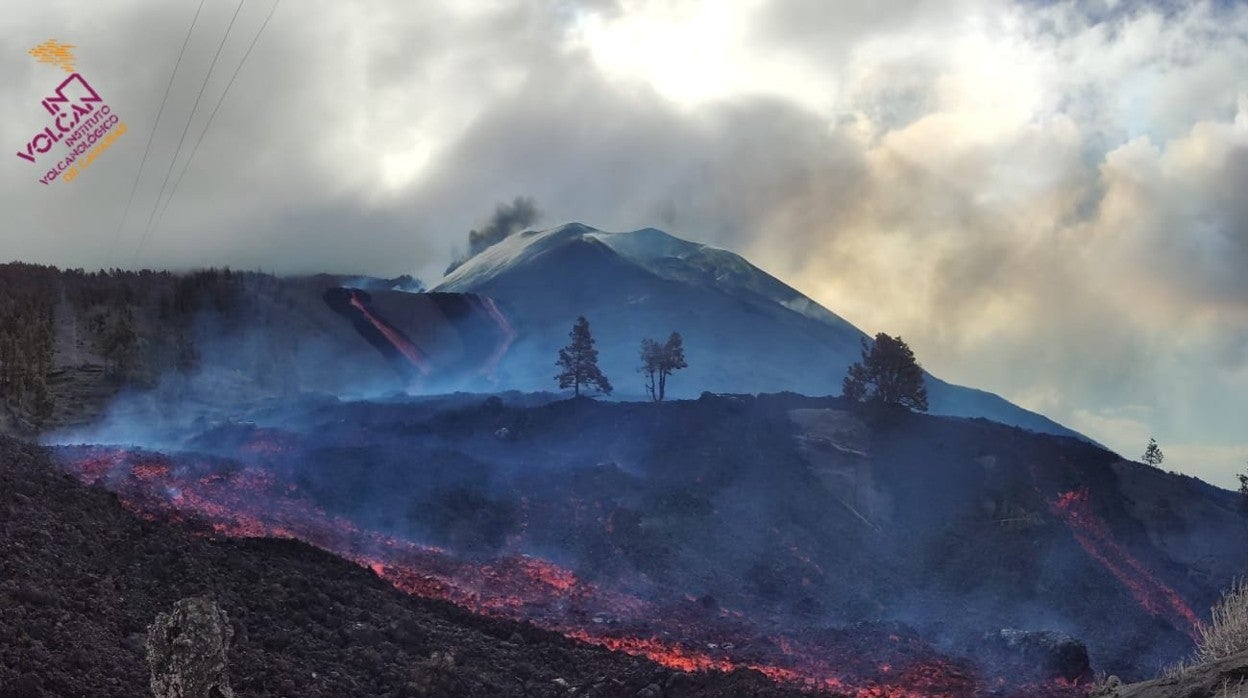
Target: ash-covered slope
1223 678
81 579
745 331
220 339
790 512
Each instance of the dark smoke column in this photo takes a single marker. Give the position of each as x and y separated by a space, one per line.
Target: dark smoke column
508 219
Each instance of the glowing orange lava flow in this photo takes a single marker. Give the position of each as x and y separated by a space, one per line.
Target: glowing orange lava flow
509 334
222 497
934 680
396 339
1075 509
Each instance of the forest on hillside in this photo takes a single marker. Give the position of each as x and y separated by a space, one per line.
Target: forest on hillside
128 326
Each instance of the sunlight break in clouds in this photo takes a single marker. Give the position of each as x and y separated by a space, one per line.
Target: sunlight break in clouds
1044 198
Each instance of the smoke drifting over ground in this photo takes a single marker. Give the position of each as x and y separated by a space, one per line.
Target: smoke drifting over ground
773 532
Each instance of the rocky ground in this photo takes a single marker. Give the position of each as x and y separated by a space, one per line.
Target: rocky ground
1225 678
81 579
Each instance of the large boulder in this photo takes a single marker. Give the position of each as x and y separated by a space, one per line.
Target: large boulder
187 649
1041 654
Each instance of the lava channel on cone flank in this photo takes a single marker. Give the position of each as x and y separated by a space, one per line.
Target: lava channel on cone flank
395 338
431 335
1074 508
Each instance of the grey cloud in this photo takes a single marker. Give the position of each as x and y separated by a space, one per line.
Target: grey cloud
1016 257
831 30
1229 221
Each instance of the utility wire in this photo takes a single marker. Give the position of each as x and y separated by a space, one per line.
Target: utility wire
148 148
147 229
220 101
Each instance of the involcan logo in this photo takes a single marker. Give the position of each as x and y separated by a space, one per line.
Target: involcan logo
77 119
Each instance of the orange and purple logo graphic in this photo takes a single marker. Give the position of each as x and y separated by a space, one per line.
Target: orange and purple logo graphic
79 120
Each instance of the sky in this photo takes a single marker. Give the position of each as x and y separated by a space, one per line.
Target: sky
1048 200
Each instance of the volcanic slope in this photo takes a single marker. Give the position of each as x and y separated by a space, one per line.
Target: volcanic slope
792 511
495 323
81 578
744 330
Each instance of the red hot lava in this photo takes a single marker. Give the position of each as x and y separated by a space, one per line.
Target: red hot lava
1075 509
402 344
234 500
509 334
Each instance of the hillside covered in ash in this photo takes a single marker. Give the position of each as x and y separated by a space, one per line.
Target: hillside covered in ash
81 579
494 323
788 534
397 443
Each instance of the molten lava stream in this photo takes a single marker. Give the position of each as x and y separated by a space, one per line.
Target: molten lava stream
1074 508
243 501
509 335
396 339
931 679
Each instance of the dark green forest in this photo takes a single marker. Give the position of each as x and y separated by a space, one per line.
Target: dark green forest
130 327
28 296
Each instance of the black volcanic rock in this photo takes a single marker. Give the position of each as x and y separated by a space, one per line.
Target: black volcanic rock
1043 654
187 650
81 578
791 510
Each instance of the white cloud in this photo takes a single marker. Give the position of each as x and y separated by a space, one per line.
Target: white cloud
1046 200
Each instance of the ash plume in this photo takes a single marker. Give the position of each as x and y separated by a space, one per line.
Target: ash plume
508 219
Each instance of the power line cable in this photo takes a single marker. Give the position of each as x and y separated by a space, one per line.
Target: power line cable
147 229
220 101
151 136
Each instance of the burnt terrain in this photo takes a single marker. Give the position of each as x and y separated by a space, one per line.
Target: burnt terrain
295 448
81 578
823 547
1223 678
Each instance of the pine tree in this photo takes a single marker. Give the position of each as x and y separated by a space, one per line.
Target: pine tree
119 344
888 374
854 386
1243 490
659 360
579 361
1153 455
651 357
